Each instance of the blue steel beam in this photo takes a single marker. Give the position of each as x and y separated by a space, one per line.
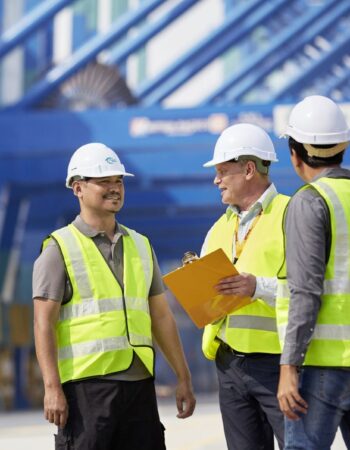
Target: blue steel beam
298 83
215 39
336 83
221 40
84 54
284 45
30 23
128 47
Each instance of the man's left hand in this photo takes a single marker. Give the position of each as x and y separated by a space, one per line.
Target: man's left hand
185 400
290 401
243 285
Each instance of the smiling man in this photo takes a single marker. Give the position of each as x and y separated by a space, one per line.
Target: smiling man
244 344
98 304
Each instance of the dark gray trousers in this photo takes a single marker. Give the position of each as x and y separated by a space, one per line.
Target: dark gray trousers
248 402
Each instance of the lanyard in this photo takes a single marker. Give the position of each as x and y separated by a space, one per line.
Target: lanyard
240 245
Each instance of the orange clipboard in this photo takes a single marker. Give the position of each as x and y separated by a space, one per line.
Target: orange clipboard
193 285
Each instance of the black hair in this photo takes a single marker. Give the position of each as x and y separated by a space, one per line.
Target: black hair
315 161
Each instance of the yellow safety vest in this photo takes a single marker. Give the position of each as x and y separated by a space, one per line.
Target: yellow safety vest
330 343
252 328
102 325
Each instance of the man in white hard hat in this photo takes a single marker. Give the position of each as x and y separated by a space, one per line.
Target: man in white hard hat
98 304
313 300
245 344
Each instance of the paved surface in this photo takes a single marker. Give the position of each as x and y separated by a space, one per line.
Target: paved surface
203 431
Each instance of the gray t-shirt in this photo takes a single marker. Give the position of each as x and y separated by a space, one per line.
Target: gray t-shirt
50 279
308 239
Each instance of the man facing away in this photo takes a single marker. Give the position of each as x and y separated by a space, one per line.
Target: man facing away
314 285
98 304
245 344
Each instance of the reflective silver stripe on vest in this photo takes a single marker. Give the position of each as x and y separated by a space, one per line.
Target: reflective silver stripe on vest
90 307
341 286
253 322
76 257
341 249
101 346
329 287
143 249
282 332
137 304
323 332
332 332
283 290
89 348
221 334
136 339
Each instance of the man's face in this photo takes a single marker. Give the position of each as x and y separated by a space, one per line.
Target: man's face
105 194
231 180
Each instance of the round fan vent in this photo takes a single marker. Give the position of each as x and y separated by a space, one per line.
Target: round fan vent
95 86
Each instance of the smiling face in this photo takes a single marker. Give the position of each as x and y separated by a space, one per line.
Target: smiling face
102 196
231 179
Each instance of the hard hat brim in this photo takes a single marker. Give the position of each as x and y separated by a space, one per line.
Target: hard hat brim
109 174
316 138
214 162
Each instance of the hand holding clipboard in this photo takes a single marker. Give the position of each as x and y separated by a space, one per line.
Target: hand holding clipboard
194 287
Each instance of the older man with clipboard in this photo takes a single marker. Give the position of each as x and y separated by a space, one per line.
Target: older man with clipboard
244 344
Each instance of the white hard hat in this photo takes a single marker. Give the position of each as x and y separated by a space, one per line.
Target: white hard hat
243 139
317 120
94 160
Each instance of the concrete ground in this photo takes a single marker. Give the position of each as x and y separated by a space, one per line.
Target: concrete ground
203 431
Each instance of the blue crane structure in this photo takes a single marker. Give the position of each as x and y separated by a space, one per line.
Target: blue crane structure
273 52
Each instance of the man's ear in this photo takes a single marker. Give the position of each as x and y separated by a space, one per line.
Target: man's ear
76 186
250 169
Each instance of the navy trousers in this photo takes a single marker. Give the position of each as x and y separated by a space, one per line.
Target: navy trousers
247 393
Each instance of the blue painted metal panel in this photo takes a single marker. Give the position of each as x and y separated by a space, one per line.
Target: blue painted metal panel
307 76
1 16
218 42
336 82
30 23
85 54
52 132
37 49
284 45
233 20
122 51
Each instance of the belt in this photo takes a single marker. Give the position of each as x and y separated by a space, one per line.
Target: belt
234 352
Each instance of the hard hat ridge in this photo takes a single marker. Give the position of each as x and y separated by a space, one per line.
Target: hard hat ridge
243 139
94 160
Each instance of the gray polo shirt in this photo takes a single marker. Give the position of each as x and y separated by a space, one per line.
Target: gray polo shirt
50 280
308 238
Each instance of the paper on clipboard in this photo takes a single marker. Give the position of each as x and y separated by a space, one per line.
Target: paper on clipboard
193 286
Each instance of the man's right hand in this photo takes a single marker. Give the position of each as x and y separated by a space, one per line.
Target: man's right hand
56 406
